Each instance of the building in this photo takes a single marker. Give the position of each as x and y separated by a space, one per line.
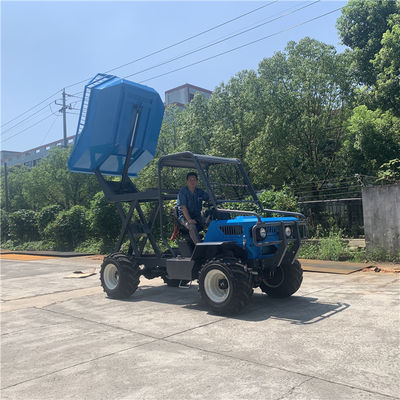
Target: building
180 96
30 157
184 94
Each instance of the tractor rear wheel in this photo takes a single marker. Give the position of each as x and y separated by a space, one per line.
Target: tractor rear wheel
224 286
284 281
119 276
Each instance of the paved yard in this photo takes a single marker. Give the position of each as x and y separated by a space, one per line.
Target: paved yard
337 338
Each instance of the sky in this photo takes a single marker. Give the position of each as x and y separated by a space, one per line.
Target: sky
50 45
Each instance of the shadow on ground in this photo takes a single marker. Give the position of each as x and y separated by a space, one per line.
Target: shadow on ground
294 309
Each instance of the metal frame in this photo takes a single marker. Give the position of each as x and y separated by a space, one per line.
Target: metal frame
140 231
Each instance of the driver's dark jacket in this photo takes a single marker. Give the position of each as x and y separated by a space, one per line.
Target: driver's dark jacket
192 201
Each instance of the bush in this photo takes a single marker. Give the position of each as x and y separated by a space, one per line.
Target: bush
23 226
91 246
46 215
4 225
105 222
69 229
333 248
283 200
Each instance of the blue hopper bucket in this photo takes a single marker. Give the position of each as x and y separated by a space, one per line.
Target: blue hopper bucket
115 114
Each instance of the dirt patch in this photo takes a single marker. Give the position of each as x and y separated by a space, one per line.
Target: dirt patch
383 268
23 257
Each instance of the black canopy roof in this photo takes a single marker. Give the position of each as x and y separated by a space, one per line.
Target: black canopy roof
188 159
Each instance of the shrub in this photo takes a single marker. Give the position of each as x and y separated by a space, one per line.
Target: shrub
105 222
333 248
69 229
4 225
23 226
282 199
46 215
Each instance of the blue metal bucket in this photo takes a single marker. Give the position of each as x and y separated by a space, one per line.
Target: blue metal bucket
116 113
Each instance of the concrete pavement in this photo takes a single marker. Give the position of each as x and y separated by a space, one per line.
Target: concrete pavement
337 338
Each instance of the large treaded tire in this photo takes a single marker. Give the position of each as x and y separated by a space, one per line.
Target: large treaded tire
119 276
286 281
224 286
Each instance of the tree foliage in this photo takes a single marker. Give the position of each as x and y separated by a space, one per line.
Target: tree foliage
306 94
69 229
23 226
387 66
372 139
361 27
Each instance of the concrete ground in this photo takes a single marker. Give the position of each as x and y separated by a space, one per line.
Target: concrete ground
336 338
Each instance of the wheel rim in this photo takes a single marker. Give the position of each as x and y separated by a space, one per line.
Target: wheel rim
111 276
216 286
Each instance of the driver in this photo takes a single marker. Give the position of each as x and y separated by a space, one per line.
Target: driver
190 203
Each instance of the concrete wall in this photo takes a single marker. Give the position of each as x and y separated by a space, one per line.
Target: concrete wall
381 207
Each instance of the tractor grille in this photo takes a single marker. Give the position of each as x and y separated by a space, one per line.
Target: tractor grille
232 229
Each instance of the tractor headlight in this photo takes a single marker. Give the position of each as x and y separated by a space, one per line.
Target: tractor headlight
263 233
288 231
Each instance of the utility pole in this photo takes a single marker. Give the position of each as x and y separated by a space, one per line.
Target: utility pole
63 109
6 187
64 120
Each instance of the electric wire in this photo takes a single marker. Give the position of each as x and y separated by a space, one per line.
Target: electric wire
25 119
188 65
31 126
240 47
36 105
178 43
146 56
222 40
51 127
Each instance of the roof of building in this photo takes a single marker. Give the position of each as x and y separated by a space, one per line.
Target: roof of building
188 85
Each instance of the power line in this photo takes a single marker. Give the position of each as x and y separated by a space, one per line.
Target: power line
148 55
241 46
178 43
25 119
38 104
192 37
221 40
31 126
51 127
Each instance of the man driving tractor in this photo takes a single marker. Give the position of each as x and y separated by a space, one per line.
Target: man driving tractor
190 202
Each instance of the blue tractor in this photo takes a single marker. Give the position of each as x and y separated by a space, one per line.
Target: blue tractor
241 250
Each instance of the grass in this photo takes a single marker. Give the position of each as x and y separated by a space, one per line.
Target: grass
334 248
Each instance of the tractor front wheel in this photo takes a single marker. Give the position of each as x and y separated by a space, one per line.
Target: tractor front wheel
119 276
224 286
284 281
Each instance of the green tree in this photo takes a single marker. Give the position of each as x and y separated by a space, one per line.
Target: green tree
49 183
46 215
389 172
18 177
387 66
361 26
237 113
69 229
307 95
372 139
104 219
23 226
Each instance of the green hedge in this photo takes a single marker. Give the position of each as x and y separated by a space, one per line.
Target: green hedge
69 229
23 226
